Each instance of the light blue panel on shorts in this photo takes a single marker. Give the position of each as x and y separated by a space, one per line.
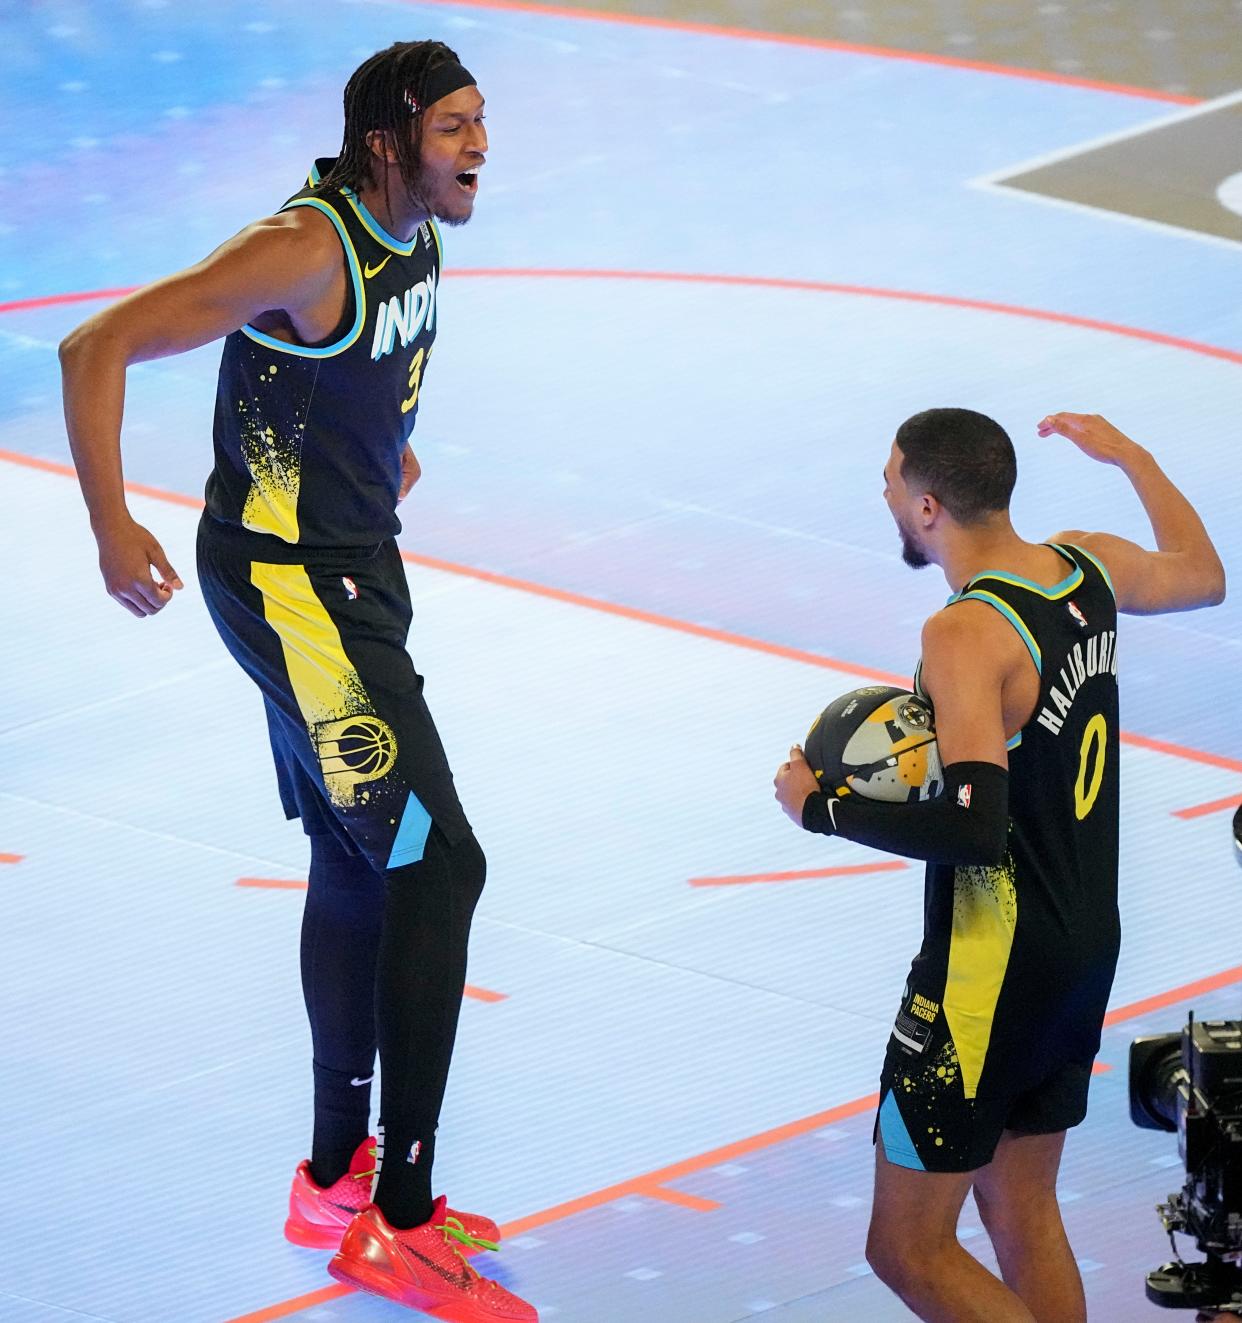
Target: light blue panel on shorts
898 1146
411 834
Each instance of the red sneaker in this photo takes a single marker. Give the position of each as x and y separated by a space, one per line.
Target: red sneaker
318 1217
424 1268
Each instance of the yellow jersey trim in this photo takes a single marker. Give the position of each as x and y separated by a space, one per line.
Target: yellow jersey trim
375 229
1108 578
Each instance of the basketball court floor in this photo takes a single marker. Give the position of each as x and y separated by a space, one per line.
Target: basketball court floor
709 274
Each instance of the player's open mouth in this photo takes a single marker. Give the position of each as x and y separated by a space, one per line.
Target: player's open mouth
468 180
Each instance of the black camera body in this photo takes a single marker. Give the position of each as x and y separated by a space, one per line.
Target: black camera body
1192 1083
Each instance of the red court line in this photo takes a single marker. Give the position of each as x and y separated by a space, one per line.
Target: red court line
652 618
1185 993
772 282
1163 746
860 291
846 870
55 300
682 1200
646 617
294 1306
11 858
1100 1068
816 43
642 1185
759 645
484 994
1216 806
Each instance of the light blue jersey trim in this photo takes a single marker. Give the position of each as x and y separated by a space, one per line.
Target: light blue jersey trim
411 838
360 298
898 1146
1067 585
1011 745
375 229
982 595
1108 578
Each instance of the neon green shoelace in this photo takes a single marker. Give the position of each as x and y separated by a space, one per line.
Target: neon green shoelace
453 1230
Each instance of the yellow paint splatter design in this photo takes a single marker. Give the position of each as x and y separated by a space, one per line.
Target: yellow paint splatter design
985 916
274 463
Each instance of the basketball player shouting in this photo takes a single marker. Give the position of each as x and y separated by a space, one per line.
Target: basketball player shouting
991 1054
329 313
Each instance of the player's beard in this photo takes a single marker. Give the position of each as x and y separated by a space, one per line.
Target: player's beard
911 552
421 193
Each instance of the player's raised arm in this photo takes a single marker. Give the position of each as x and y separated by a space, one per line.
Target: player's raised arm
286 263
1185 571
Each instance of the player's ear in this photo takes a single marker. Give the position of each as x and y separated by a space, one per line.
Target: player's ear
382 147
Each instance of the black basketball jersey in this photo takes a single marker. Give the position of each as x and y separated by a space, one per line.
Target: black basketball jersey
308 438
1022 954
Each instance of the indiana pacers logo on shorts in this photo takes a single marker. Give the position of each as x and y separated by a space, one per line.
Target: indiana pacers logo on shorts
353 750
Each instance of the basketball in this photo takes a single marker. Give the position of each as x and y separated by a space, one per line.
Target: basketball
879 742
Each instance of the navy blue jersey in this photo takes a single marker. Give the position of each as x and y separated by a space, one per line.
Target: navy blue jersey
1022 954
309 438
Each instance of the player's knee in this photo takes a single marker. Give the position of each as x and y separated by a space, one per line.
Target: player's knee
894 1257
1016 1218
469 865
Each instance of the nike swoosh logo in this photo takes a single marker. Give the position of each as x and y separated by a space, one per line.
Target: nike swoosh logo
370 270
461 1279
368 1080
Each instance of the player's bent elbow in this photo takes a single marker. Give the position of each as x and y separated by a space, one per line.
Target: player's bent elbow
80 341
70 345
1209 587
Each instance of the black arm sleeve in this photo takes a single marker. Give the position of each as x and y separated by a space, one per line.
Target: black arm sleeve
967 824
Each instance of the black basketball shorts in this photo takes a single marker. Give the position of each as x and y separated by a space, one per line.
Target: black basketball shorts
930 1120
355 748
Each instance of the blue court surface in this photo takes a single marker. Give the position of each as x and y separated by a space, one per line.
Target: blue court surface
707 277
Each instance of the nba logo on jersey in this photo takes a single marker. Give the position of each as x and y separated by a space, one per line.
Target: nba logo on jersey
351 589
963 796
415 1149
1078 616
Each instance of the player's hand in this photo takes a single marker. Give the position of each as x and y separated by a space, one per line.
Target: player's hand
410 473
127 553
1093 435
795 783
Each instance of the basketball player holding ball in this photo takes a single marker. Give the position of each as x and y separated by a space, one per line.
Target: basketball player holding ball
328 309
991 1053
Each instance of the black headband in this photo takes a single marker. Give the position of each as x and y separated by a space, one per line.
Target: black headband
443 81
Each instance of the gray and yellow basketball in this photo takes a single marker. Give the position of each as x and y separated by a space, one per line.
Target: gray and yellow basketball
879 742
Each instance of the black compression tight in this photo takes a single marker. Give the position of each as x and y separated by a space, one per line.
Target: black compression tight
384 959
341 927
421 977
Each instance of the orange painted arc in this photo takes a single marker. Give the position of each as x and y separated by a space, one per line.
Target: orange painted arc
755 282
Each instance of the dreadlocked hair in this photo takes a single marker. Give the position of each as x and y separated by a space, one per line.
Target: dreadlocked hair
387 93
